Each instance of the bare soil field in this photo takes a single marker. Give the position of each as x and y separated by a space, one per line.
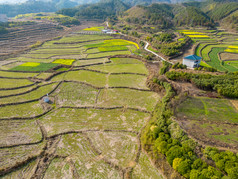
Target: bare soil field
21 38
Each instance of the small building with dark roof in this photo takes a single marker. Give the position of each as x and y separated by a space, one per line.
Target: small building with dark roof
192 61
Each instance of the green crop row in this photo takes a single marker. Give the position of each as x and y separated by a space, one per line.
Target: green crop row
41 67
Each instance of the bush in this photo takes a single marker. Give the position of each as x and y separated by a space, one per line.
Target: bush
233 173
226 85
176 163
167 138
184 168
164 68
179 66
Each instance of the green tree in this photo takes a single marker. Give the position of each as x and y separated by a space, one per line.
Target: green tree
233 173
174 152
184 167
176 163
162 147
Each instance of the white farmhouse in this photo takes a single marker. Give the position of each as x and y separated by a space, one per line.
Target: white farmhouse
3 18
192 61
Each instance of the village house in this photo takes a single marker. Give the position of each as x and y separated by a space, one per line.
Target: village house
192 61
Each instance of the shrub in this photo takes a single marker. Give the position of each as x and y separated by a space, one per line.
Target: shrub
176 163
179 66
184 168
164 68
226 85
233 173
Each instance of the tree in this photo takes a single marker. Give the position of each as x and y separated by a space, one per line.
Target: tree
162 147
233 173
197 164
174 152
184 167
176 163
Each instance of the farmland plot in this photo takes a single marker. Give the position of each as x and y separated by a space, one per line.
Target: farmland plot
16 132
36 94
211 121
80 119
91 61
91 127
121 68
12 83
21 110
207 109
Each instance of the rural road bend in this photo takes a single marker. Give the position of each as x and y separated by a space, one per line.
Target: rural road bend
146 47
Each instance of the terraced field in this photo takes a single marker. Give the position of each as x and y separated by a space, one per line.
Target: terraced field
214 48
91 126
20 38
211 121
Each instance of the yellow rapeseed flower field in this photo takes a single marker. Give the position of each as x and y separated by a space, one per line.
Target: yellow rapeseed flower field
120 42
94 29
64 61
198 36
30 64
192 33
233 46
232 50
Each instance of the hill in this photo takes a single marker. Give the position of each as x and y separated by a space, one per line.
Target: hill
191 16
155 14
231 21
184 14
32 6
167 15
101 10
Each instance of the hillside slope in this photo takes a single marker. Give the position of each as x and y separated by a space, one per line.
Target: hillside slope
186 14
231 21
101 10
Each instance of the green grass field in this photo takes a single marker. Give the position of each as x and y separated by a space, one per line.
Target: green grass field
40 67
112 48
121 68
93 78
21 110
75 94
17 74
129 98
128 80
12 83
106 54
83 119
125 61
232 63
199 48
15 91
36 94
216 63
208 109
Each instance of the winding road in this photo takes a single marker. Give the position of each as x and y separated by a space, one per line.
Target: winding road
146 47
